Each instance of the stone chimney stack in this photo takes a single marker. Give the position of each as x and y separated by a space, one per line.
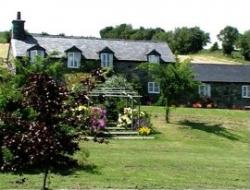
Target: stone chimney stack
18 31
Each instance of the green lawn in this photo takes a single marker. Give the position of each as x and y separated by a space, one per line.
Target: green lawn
201 148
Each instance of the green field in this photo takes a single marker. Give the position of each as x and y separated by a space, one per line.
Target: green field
201 148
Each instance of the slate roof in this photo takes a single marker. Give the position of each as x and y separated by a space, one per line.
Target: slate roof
123 49
221 73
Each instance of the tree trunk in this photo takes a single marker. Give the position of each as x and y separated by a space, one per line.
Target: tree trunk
167 111
45 187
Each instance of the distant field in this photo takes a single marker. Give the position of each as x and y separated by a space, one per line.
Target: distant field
206 56
199 149
3 50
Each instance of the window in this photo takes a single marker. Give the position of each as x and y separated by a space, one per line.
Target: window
154 59
35 53
205 90
245 91
74 59
153 88
107 60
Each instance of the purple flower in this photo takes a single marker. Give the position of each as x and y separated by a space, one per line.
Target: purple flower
97 118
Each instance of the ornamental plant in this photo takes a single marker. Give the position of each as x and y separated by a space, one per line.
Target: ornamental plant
40 118
34 133
144 131
97 119
132 119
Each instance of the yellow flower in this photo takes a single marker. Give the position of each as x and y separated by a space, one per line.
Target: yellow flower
144 131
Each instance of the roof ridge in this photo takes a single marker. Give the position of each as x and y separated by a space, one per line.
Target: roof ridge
93 38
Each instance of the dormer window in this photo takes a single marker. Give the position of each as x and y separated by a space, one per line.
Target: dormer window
74 56
107 58
154 57
74 59
36 51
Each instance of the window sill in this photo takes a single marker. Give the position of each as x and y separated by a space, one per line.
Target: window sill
153 92
246 97
73 67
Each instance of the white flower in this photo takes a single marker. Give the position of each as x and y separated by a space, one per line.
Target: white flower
80 108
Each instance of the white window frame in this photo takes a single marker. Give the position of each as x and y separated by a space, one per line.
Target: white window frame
205 90
34 53
107 60
153 88
74 61
245 91
154 59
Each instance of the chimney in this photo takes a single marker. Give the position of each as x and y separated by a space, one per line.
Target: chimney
18 31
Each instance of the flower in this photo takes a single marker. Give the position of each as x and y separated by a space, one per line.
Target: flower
81 108
97 118
144 131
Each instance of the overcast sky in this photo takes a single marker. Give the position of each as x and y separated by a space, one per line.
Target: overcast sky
87 17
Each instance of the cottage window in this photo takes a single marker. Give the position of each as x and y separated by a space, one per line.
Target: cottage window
107 60
205 90
245 92
153 88
154 59
35 53
74 59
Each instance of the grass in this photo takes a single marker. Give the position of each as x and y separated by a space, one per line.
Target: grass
201 148
206 56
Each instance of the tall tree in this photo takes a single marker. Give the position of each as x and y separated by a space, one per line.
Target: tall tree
165 37
183 40
228 36
34 131
244 44
190 40
175 80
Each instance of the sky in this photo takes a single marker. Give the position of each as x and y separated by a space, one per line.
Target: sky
88 17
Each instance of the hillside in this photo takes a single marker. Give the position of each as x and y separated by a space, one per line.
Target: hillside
3 54
217 57
4 50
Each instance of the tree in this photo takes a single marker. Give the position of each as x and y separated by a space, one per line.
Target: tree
176 80
165 37
189 40
5 37
228 36
244 44
123 31
214 47
184 40
34 131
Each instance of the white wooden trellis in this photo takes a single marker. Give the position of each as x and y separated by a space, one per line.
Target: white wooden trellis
117 93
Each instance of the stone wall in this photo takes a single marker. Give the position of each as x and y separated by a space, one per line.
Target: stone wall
228 95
